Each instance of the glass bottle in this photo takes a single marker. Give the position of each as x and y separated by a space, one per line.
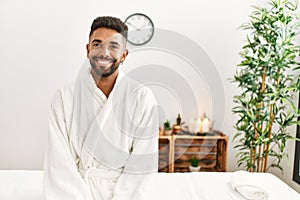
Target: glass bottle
178 120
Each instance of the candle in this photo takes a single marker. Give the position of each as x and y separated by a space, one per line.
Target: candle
197 125
205 125
192 125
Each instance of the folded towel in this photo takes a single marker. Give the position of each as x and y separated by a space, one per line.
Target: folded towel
246 183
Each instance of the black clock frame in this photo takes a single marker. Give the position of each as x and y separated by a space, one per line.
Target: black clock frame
139 44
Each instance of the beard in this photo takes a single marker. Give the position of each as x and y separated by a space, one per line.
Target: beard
101 70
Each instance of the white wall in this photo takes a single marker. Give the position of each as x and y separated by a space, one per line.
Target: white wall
43 47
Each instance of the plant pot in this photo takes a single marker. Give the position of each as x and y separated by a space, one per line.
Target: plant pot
194 169
168 132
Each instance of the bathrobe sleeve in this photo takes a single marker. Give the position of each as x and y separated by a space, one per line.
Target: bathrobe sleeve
143 161
62 180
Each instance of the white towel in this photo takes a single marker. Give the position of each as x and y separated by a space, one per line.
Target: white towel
246 183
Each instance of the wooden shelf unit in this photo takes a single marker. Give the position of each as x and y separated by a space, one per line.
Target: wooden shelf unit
175 152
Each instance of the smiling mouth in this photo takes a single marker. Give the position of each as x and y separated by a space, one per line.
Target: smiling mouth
103 61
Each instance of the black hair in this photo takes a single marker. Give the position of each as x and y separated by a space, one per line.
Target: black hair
110 22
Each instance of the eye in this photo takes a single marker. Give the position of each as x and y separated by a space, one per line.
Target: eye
96 44
114 46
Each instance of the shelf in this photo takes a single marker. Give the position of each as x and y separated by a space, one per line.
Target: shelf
177 150
196 153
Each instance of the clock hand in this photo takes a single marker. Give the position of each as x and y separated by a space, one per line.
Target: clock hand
144 26
133 25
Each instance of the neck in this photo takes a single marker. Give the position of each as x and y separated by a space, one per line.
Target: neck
105 84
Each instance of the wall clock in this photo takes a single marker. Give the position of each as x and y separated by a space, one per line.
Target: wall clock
140 29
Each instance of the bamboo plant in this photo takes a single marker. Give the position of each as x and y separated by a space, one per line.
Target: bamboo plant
268 82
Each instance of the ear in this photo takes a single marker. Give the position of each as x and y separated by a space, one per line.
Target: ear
124 55
87 49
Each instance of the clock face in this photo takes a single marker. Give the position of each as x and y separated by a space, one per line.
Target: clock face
140 29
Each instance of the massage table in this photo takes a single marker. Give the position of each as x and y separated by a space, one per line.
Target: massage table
28 185
21 185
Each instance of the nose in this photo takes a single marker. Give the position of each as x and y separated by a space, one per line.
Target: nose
103 50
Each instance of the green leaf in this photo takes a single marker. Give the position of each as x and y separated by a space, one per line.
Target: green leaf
270 54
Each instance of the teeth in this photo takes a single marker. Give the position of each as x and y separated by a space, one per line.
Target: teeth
103 62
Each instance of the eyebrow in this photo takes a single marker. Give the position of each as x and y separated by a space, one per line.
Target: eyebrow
100 41
96 40
112 42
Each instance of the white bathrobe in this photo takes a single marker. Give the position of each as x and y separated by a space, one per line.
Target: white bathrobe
100 148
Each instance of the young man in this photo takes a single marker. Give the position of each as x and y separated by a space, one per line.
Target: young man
103 129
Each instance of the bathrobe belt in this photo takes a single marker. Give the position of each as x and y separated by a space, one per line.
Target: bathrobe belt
94 172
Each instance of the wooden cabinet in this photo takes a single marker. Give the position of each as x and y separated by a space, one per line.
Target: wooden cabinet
175 152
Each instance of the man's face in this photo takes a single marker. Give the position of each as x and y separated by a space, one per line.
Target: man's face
106 50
